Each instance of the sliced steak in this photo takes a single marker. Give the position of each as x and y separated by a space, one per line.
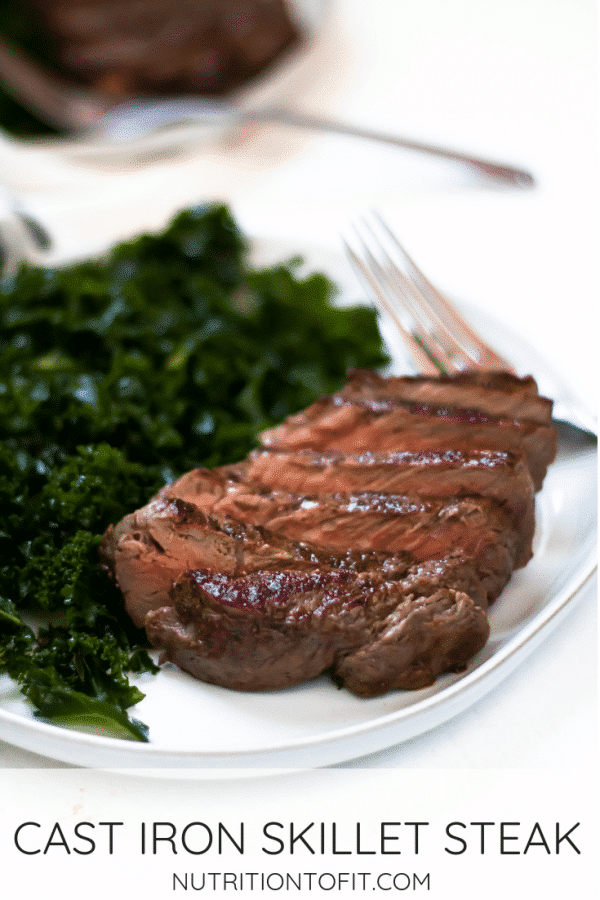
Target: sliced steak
355 426
366 521
366 538
266 632
496 394
501 477
381 523
421 639
149 550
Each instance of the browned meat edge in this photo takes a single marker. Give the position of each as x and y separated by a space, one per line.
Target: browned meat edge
373 635
495 394
354 427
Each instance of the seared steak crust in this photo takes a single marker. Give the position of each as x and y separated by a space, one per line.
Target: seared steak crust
373 634
496 394
365 538
501 477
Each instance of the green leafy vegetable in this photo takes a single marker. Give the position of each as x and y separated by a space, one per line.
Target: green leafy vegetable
115 377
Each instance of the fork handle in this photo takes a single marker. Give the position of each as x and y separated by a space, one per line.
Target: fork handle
517 177
130 119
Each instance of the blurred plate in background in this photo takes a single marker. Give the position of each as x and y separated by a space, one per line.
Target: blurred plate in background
282 79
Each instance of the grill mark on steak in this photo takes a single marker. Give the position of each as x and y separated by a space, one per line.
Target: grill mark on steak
390 525
365 538
502 477
263 588
380 406
380 523
495 394
351 425
192 539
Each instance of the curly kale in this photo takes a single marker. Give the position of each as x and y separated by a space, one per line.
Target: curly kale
116 376
75 671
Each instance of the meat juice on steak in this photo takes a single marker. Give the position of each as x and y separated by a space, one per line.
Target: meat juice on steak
365 538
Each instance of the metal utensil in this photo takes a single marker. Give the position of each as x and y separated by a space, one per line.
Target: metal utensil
22 238
438 337
84 112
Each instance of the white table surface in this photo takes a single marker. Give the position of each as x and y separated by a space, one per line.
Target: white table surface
514 80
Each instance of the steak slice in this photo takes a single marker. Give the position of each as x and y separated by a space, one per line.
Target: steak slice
207 519
501 477
421 639
366 521
474 528
269 631
496 394
151 548
360 425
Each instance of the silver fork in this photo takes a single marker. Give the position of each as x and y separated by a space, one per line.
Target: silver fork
439 339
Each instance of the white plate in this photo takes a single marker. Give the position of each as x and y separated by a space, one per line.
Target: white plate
201 726
287 77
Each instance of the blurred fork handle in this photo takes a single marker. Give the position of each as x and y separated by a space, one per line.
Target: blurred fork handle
489 168
22 238
67 105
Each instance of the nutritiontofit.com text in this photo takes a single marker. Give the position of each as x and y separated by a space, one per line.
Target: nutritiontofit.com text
300 881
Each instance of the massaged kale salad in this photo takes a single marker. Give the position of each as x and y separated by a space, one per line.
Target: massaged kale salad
116 376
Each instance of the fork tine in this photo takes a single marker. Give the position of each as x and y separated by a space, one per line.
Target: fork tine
438 338
396 292
480 353
422 359
420 328
397 288
449 353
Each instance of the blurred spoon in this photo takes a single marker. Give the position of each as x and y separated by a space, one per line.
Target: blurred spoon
94 117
